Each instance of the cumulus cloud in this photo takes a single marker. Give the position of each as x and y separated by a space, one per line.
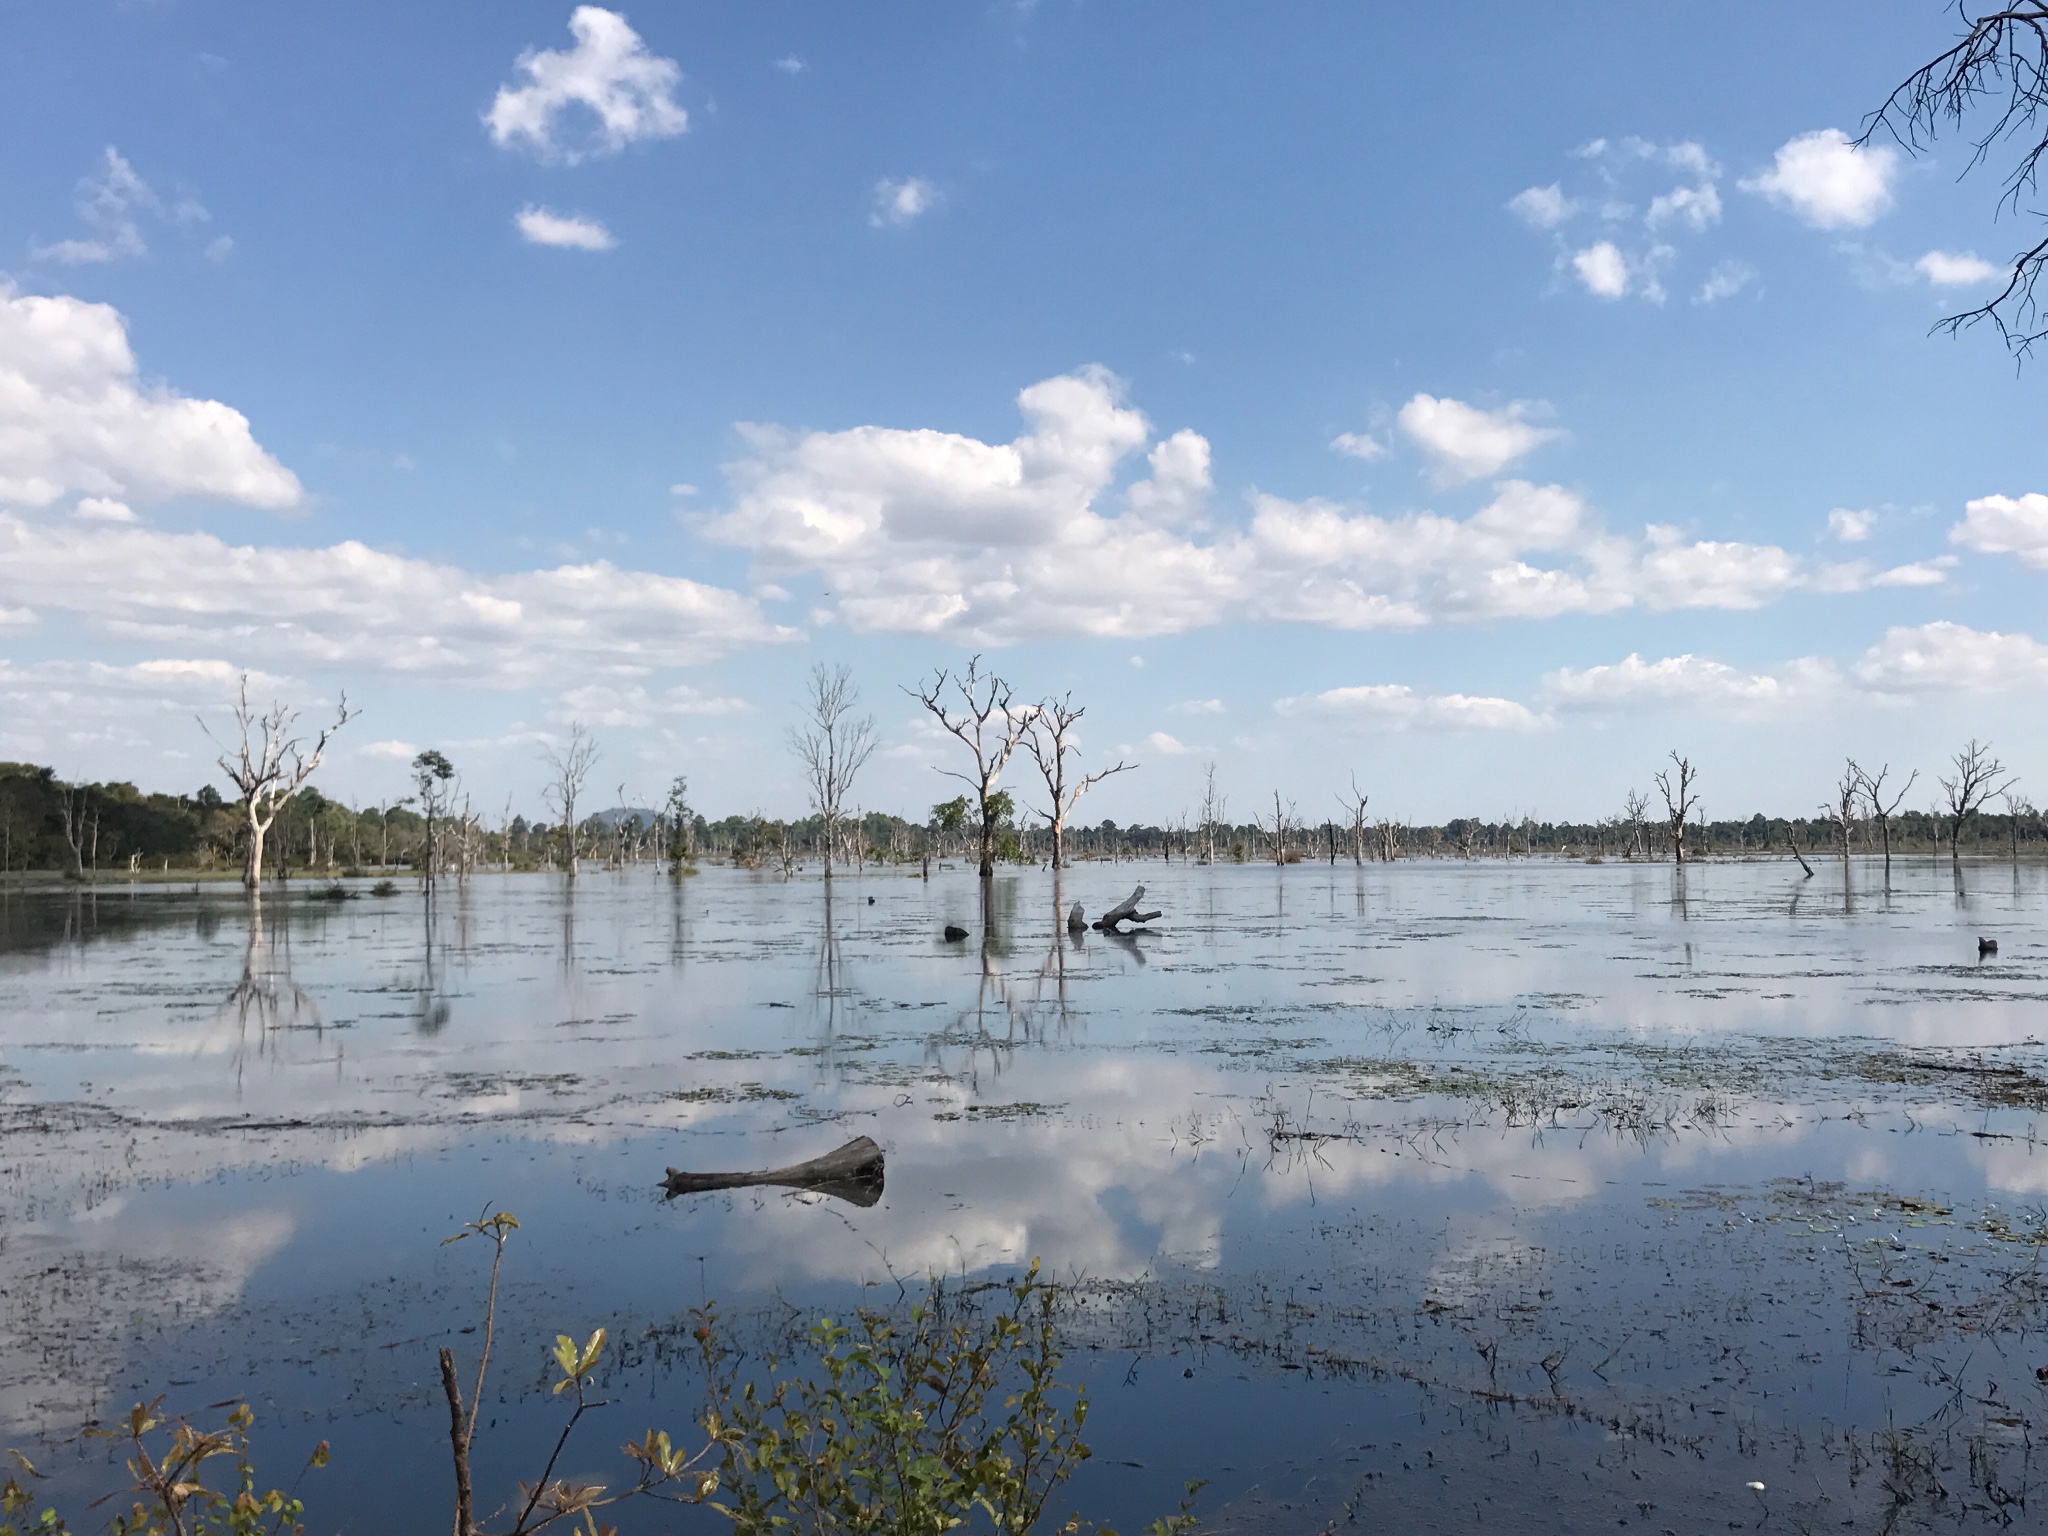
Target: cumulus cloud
633 705
1686 681
1694 207
1466 442
1950 658
112 205
898 201
791 65
1199 707
1957 269
1850 524
1542 207
75 418
1397 706
1726 280
1827 181
1602 269
928 532
103 509
543 226
347 604
627 92
54 708
1358 445
2006 525
1162 745
390 751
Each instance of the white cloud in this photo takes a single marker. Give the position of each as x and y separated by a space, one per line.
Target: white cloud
1921 573
354 607
1542 207
1358 445
103 509
1397 706
1684 681
55 708
1726 280
1694 207
1827 181
792 65
112 205
1179 484
2006 525
899 200
1163 745
543 226
1199 707
1467 442
1957 269
631 705
22 617
1687 155
1603 269
1850 524
927 532
390 751
76 418
609 73
1951 658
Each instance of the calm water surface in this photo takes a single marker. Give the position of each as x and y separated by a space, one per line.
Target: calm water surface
1434 1196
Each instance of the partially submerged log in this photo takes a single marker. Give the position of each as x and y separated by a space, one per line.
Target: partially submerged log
1125 911
1075 921
853 1173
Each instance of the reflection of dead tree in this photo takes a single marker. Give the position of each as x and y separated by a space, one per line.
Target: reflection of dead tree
1882 810
1051 744
269 767
571 768
1354 807
1979 776
990 726
266 996
1675 784
833 747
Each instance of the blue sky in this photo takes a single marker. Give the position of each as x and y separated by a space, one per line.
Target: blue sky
1484 402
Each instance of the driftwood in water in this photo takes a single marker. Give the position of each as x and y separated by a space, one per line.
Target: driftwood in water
1075 921
1126 911
853 1174
1793 848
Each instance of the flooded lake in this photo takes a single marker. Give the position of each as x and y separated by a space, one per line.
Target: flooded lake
1433 1196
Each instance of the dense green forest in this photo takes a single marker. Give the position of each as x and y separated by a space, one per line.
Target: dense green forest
47 824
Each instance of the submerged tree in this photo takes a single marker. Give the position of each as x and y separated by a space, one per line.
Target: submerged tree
1050 740
1215 806
1999 64
1354 808
682 824
990 724
1675 784
833 746
269 766
1842 809
1979 776
432 774
571 769
1882 810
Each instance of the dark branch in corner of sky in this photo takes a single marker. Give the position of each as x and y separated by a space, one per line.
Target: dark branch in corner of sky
2000 64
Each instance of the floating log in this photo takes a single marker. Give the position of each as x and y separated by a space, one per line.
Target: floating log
1125 911
853 1174
955 933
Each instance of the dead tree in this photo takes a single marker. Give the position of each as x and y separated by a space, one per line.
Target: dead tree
1215 807
1050 740
269 766
1675 784
1979 776
834 745
2001 65
571 769
1283 824
2016 806
1634 808
990 725
1881 810
1354 807
74 803
1842 809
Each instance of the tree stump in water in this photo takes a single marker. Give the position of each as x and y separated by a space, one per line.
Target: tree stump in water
853 1173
